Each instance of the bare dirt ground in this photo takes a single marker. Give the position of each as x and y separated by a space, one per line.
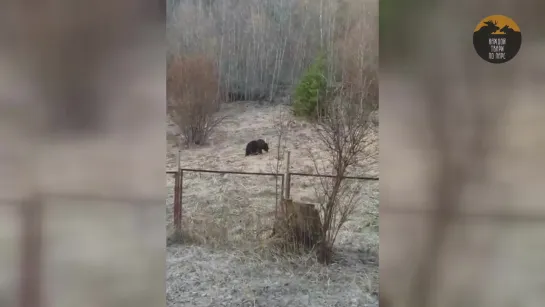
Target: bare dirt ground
230 215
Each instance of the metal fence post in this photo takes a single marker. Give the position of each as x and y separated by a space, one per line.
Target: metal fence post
177 198
181 189
281 196
288 177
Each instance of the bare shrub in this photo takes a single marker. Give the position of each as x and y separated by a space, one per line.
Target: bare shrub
344 136
192 97
345 131
349 122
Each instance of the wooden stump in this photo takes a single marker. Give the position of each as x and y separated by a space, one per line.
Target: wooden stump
298 223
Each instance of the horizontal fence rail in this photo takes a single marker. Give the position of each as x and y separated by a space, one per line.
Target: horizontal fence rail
333 176
173 172
229 172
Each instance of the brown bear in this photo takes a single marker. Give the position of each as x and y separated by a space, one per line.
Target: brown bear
256 147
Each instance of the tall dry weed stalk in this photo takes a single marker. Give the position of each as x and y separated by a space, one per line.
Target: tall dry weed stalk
282 122
192 97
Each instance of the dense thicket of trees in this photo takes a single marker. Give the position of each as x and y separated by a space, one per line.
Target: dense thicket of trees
260 46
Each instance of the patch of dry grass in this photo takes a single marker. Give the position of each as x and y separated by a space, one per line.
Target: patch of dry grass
250 121
201 276
227 218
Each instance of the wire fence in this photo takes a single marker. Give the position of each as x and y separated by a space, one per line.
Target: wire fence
284 192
